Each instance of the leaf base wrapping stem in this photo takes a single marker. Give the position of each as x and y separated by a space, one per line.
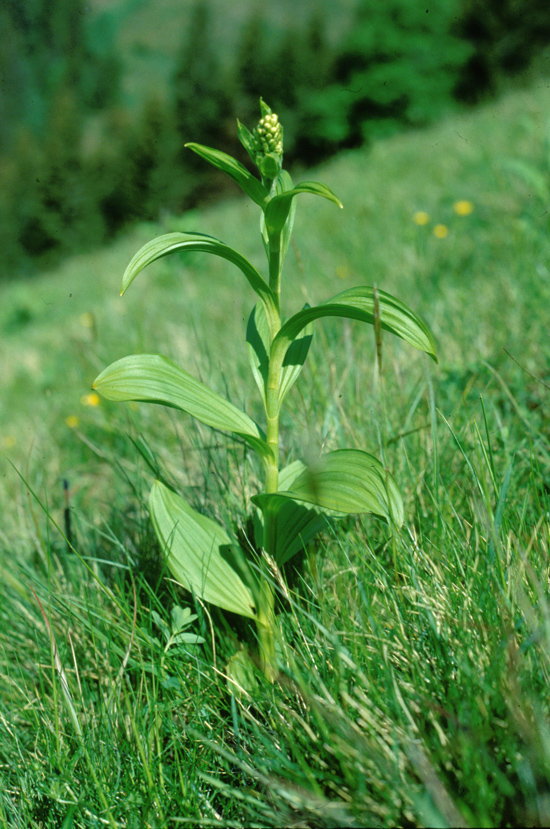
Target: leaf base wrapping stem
267 631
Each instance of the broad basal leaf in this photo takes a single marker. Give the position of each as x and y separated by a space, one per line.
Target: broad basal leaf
358 303
278 207
246 181
289 473
196 549
289 525
199 242
258 344
154 379
349 481
241 675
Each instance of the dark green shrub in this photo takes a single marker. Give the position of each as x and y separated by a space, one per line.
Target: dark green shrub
505 35
151 178
398 65
202 92
69 170
252 66
69 214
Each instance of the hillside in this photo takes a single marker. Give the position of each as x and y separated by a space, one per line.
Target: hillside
493 261
413 664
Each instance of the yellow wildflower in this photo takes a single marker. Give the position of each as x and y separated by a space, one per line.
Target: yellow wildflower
72 421
463 208
86 320
421 218
8 442
91 399
441 231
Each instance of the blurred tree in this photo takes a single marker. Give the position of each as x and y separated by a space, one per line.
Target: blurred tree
203 104
20 98
317 56
102 71
280 83
314 73
110 171
202 92
140 175
153 183
67 177
157 153
49 43
68 215
252 67
506 35
284 74
287 71
20 204
398 65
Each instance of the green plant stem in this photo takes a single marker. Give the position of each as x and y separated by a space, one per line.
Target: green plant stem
275 269
266 628
272 469
274 372
274 256
266 612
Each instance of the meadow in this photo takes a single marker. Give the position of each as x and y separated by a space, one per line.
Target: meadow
418 690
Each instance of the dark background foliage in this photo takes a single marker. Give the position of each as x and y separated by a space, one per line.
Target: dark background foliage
81 156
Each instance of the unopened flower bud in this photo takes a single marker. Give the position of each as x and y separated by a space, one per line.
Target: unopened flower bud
268 136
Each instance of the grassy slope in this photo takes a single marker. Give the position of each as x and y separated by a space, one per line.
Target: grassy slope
493 261
426 658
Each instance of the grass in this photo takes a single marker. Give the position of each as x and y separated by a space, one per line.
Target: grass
416 688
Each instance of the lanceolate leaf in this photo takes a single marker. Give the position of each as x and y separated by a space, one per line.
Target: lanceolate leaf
289 525
284 184
345 481
277 209
295 358
247 140
257 345
358 303
197 549
535 178
281 239
349 481
289 473
171 242
257 339
246 181
155 379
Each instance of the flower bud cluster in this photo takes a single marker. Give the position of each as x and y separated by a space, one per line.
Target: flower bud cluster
269 135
